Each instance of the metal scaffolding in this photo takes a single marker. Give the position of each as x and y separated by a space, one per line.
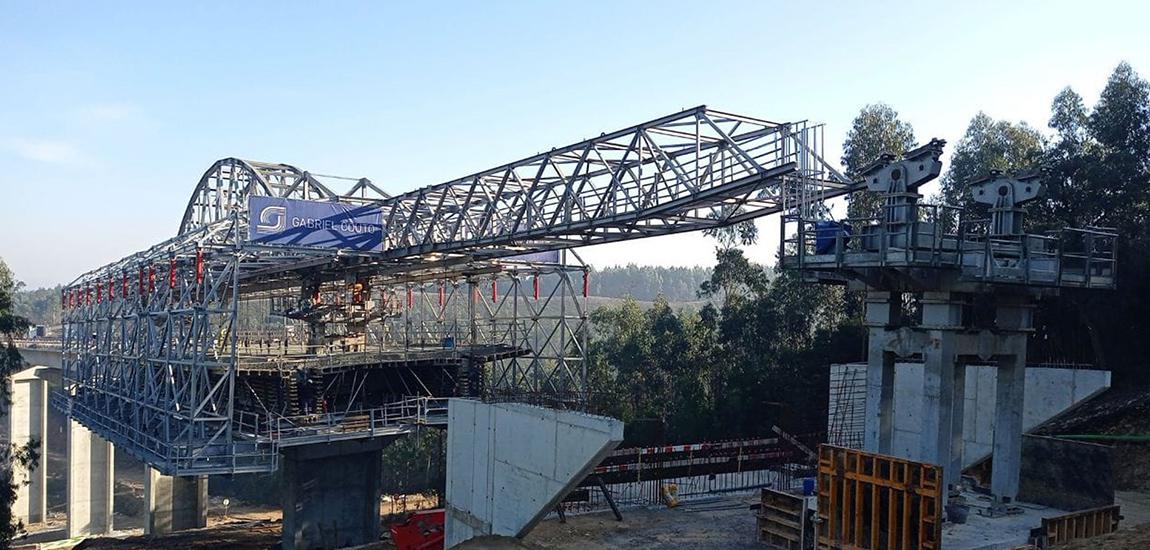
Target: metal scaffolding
209 352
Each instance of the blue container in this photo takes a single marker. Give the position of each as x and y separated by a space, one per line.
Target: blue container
827 232
808 486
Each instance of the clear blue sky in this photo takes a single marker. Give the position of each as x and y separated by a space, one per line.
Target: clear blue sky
110 111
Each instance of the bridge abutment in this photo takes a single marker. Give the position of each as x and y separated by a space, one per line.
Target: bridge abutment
331 494
174 503
91 480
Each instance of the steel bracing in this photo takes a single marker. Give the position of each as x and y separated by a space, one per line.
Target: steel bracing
208 352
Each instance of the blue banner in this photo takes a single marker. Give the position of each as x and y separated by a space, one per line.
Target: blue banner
545 257
318 224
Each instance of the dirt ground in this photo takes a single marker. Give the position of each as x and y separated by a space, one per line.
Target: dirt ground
715 524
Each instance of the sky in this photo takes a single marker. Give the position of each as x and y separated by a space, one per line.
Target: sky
111 111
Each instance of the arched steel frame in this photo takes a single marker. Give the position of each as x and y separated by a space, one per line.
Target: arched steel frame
152 356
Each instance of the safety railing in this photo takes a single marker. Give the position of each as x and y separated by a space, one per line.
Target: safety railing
930 238
391 419
940 237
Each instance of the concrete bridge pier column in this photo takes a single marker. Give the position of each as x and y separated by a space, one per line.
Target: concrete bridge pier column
91 476
331 494
27 421
881 312
174 503
1009 401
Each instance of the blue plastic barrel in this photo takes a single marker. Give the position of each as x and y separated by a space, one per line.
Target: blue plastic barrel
826 232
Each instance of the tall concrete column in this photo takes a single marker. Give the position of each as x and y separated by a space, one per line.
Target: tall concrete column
941 426
957 422
1009 398
27 421
331 494
91 479
881 311
174 503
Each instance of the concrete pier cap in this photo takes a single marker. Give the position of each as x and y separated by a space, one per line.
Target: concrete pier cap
509 464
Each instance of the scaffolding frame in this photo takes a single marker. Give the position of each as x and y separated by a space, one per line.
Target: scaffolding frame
152 354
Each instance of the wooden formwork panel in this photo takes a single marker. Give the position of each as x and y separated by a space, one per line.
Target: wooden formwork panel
1079 525
782 520
869 501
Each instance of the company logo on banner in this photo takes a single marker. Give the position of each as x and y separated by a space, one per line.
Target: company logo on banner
320 224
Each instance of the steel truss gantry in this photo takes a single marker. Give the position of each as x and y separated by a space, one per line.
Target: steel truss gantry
472 292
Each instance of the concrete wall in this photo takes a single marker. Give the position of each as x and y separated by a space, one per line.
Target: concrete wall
1048 392
1068 475
509 464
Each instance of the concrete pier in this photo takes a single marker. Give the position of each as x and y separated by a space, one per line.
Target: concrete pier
509 464
27 420
331 494
174 503
91 477
881 312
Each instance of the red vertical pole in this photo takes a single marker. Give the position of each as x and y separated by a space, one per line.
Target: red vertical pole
172 273
151 278
199 266
99 289
410 298
494 290
535 284
126 289
142 287
586 283
442 293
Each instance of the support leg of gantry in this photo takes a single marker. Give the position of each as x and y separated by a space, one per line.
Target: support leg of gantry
27 422
331 494
174 503
91 478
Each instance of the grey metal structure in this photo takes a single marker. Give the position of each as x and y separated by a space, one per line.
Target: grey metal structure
977 281
211 353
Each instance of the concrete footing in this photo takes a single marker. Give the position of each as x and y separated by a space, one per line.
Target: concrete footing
174 503
331 494
509 464
91 478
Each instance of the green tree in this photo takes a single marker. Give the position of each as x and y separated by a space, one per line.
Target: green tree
23 456
987 145
1097 173
876 130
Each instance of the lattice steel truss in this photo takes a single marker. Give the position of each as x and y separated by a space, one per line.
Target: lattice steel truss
191 356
